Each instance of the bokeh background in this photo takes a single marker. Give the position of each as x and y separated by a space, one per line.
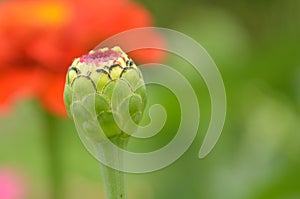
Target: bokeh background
254 43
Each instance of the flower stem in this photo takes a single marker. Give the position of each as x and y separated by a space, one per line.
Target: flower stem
54 158
114 181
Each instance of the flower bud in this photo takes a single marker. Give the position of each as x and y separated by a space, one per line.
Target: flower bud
106 84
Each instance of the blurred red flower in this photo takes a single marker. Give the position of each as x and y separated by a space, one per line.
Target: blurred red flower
39 39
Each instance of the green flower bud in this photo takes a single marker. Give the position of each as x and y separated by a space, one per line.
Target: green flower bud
105 84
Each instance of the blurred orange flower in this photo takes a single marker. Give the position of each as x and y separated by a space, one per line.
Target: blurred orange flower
39 39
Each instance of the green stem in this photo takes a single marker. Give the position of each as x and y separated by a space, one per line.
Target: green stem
54 158
114 181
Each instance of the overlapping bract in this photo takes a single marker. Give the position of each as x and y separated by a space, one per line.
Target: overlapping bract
108 85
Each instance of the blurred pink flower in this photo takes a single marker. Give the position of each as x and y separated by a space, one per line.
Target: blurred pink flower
12 185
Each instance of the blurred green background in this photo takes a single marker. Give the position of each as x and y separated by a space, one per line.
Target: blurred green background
255 45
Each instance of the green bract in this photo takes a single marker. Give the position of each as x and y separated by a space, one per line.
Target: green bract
105 84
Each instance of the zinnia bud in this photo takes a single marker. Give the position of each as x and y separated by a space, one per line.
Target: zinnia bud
108 83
